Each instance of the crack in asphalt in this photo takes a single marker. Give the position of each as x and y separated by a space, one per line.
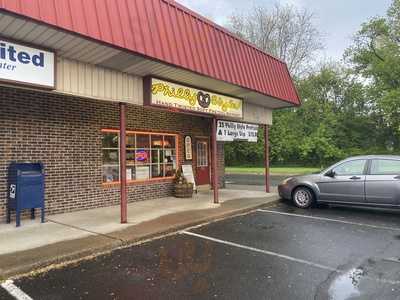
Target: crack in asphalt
89 231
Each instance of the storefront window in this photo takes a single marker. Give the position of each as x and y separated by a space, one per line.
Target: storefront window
148 155
110 157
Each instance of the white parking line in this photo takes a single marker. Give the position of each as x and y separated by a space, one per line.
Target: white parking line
329 220
14 291
290 258
302 261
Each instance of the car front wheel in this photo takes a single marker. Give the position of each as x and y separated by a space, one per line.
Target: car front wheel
303 197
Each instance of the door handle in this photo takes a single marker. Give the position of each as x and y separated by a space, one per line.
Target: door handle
355 178
397 177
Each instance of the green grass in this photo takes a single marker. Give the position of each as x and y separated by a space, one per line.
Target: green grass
274 170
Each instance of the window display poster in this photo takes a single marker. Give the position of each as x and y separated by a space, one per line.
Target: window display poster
187 171
128 174
142 173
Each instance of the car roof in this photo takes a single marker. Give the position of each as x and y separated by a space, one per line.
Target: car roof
374 157
395 157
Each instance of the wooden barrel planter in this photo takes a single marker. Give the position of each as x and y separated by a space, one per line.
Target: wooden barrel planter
184 190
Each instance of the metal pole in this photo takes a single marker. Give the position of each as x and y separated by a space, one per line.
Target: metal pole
214 159
266 161
122 155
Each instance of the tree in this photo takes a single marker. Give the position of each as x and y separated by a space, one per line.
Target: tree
283 31
316 121
319 147
347 110
334 121
245 153
375 56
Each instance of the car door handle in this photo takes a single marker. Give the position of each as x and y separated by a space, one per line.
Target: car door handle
397 177
355 178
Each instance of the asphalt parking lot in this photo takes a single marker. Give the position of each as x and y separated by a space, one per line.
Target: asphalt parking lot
273 253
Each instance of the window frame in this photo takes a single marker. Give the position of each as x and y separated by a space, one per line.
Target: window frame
117 164
204 162
377 159
150 164
364 171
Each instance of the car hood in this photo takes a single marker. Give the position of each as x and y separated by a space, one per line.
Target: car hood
310 177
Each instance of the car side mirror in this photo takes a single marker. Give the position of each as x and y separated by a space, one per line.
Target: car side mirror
330 173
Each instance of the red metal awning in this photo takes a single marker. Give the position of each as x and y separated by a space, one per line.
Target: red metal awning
166 31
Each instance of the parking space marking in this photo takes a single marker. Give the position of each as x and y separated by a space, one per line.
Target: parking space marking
15 291
287 257
302 261
329 220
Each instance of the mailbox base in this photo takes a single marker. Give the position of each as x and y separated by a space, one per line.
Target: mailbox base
18 215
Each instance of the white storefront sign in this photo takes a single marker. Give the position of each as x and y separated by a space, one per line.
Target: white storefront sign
26 65
228 131
181 97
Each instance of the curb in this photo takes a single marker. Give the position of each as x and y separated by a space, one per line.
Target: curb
112 244
201 221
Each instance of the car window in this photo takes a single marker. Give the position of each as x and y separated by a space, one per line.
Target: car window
385 167
354 167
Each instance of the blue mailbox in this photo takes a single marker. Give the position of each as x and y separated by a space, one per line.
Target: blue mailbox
25 189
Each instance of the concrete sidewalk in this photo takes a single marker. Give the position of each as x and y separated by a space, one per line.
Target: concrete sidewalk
75 235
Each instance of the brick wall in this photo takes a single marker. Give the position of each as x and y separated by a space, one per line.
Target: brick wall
65 134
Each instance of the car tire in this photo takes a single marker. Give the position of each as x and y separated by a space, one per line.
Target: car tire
303 197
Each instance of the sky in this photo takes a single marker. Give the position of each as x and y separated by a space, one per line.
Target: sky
337 20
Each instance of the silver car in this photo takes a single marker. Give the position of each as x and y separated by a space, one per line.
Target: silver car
363 180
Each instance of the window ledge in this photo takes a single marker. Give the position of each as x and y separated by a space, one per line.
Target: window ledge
139 182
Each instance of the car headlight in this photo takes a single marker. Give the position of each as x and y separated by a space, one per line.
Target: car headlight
287 180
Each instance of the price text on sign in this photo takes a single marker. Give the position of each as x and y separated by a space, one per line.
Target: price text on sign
228 131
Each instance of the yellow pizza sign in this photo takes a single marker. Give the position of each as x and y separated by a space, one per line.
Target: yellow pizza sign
173 95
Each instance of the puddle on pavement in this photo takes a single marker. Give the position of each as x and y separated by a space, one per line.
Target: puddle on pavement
374 278
345 286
